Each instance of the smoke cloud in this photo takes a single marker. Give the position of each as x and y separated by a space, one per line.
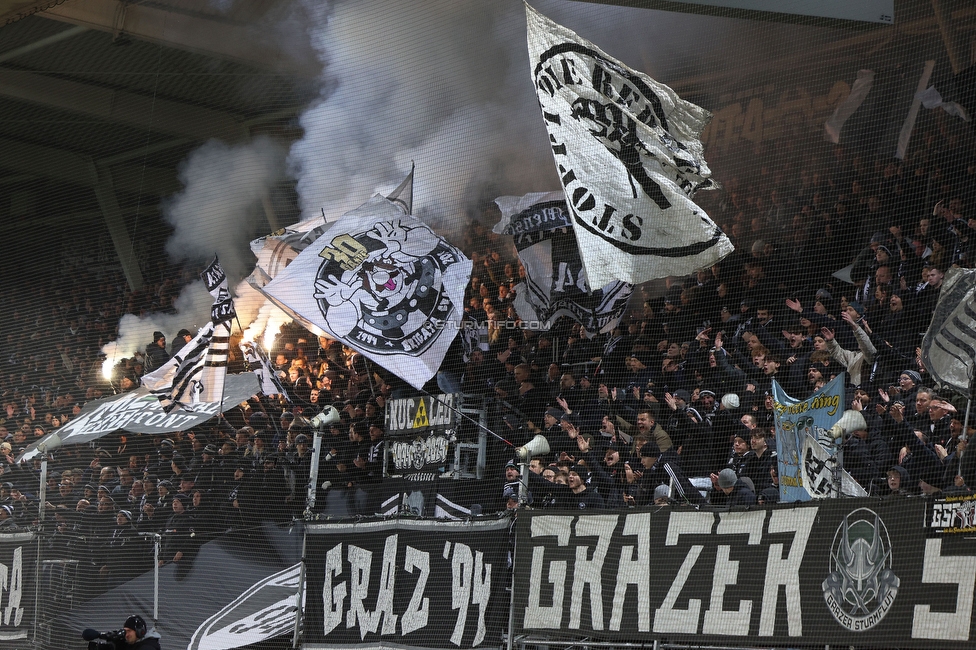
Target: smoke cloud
217 213
442 83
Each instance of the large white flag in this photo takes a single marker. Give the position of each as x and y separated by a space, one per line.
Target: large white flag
384 284
949 346
277 250
629 156
859 91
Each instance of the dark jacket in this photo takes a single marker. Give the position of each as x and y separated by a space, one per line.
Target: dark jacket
155 356
740 495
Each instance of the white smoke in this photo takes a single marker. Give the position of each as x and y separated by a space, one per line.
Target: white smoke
442 83
192 312
220 207
217 213
433 82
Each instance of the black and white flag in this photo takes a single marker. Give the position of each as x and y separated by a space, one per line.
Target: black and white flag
180 381
261 367
222 311
949 346
215 278
384 284
555 285
629 157
277 250
197 372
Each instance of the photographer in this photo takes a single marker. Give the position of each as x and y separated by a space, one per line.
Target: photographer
134 634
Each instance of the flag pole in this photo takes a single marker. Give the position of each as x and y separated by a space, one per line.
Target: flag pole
969 404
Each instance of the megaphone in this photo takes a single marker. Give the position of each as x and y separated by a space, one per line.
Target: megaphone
328 415
535 447
851 421
49 444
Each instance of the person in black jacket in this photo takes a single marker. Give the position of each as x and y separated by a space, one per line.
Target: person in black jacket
730 490
179 539
156 354
662 468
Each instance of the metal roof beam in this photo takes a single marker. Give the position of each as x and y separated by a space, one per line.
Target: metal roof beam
74 168
210 35
143 112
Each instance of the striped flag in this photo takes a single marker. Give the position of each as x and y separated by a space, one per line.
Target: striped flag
179 381
949 346
197 372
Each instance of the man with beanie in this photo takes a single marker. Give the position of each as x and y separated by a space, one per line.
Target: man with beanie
156 354
182 338
138 635
730 490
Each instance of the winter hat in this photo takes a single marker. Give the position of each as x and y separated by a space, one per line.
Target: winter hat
730 401
913 375
727 478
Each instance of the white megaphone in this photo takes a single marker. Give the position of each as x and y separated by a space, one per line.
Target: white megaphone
328 415
538 446
850 421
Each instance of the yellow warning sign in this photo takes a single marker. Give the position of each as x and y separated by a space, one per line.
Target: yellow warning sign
420 418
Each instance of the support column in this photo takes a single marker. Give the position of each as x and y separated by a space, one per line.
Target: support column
954 44
105 193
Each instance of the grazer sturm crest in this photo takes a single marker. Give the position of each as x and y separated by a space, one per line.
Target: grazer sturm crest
861 586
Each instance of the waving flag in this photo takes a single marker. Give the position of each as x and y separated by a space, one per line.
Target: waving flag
277 250
555 285
179 381
949 346
629 157
196 373
384 284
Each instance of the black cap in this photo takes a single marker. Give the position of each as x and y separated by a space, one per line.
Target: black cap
649 450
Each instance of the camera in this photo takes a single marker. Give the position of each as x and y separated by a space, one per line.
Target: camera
104 640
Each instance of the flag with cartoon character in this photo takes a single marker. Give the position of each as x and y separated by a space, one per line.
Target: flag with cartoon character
384 284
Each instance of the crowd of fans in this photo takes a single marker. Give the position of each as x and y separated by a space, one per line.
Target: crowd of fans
673 406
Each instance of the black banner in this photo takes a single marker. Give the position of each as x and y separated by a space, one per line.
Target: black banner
844 572
430 584
420 436
416 415
18 565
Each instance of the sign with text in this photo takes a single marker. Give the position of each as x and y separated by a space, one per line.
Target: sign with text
414 415
420 436
430 584
17 569
844 572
